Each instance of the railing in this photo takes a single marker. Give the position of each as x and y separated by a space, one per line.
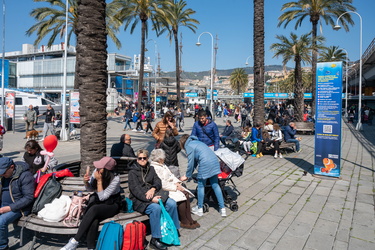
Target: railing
369 51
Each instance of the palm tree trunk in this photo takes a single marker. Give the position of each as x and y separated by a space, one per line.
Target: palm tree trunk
178 80
313 66
298 91
92 78
259 61
141 64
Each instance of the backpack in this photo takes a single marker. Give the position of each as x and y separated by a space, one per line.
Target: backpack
51 190
135 117
110 237
2 130
244 112
152 115
134 236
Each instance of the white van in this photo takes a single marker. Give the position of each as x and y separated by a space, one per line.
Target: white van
23 100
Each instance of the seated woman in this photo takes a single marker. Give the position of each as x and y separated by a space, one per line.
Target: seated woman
245 140
103 204
144 185
176 191
33 157
277 138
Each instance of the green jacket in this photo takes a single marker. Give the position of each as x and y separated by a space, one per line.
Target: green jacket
30 115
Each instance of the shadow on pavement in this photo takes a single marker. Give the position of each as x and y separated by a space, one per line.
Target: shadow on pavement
301 163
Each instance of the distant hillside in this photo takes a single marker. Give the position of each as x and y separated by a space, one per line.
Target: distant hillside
219 72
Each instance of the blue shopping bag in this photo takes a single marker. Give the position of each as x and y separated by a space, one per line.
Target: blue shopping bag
169 234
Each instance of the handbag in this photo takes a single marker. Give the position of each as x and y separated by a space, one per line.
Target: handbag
164 195
169 234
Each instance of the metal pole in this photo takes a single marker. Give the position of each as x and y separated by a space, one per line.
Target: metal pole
212 68
337 27
64 134
3 72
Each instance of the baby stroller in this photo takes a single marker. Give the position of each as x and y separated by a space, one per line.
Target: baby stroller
231 164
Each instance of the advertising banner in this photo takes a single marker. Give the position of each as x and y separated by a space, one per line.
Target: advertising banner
10 98
328 119
74 107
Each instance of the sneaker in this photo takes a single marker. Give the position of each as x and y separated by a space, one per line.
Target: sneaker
258 156
134 130
41 139
300 150
223 212
261 155
197 211
275 156
141 131
280 155
72 245
254 155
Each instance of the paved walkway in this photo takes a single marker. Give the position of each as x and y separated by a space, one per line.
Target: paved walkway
279 206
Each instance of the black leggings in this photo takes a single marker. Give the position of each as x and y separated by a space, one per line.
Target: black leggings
91 219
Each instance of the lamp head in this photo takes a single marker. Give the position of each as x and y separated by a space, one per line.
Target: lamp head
333 57
198 44
336 27
246 63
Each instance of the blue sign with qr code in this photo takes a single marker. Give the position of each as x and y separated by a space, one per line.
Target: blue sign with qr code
327 159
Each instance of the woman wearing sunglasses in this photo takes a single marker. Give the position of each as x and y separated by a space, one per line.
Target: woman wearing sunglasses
104 203
144 185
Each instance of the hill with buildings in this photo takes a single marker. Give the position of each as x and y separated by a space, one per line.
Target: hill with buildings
219 72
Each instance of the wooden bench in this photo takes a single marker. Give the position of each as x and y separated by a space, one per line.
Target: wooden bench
70 185
305 127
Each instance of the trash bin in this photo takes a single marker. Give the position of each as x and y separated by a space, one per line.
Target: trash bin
9 124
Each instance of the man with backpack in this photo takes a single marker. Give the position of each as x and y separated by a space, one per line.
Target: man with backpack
17 195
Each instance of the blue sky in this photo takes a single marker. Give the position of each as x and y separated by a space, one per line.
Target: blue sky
231 20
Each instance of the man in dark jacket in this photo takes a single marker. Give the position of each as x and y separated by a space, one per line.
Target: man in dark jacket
16 195
228 130
123 148
48 122
206 131
290 135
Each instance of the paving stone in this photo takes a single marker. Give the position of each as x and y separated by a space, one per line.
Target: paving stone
343 231
297 190
355 244
259 208
363 232
299 229
364 219
280 209
307 217
267 223
331 212
252 239
366 198
225 238
291 243
319 240
267 245
328 228
289 198
340 244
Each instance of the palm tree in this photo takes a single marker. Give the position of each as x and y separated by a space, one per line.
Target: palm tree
92 79
131 12
297 49
170 18
328 10
287 84
258 61
333 53
51 20
238 80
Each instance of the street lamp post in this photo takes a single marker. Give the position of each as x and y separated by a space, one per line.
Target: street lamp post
337 27
247 60
156 59
3 72
346 79
63 134
212 70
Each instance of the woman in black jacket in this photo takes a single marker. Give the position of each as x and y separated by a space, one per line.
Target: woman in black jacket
144 185
171 147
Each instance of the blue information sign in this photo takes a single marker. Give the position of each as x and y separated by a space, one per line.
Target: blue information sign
328 119
191 94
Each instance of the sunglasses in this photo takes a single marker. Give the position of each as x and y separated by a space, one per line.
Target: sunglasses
142 158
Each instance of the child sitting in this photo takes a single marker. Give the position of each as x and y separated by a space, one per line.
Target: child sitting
245 139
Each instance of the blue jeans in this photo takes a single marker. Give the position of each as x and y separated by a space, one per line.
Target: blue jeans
5 220
154 212
222 139
127 123
215 186
295 141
